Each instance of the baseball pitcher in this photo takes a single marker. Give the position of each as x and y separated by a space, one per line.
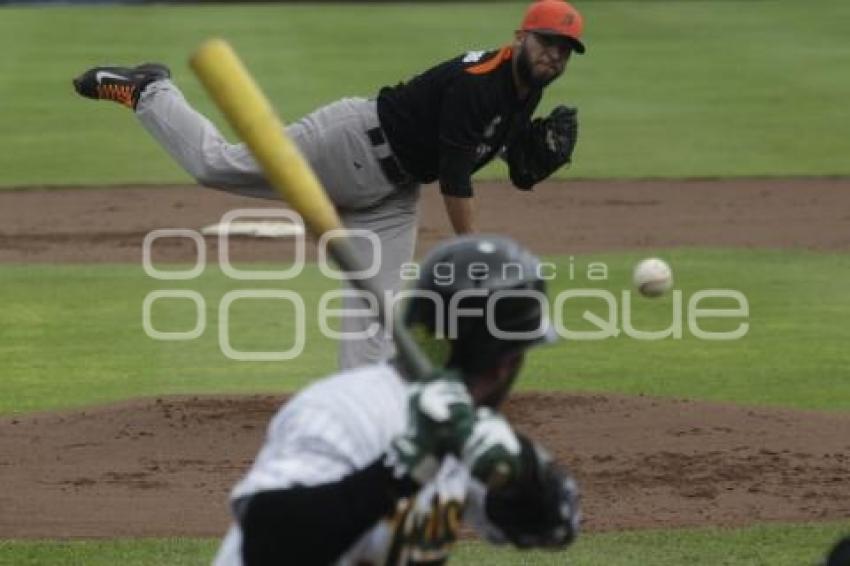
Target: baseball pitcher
373 154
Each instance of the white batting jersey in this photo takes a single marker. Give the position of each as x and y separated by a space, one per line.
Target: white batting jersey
340 425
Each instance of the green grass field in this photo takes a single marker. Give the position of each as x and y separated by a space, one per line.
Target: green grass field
776 545
59 349
667 89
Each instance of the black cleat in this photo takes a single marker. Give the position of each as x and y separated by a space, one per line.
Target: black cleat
119 84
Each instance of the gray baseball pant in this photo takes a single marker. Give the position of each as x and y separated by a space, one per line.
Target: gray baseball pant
333 139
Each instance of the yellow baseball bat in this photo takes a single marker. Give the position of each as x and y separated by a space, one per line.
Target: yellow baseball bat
249 112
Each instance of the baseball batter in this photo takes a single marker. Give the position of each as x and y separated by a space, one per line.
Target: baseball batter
369 468
372 155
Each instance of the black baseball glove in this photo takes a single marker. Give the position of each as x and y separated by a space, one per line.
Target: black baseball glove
542 148
540 508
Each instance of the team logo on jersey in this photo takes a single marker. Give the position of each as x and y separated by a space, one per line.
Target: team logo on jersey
491 127
424 536
482 151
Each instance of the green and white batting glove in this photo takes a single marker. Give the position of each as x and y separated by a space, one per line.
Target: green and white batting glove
440 417
492 451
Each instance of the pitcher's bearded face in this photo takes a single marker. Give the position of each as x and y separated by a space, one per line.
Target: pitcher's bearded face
542 58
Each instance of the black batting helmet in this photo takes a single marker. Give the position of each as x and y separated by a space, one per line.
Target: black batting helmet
477 298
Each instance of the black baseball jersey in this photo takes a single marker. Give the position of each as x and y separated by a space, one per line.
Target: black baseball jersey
452 119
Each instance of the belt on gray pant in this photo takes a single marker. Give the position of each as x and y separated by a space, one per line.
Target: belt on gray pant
387 160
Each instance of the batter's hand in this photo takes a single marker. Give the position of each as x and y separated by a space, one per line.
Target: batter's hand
440 418
492 451
540 508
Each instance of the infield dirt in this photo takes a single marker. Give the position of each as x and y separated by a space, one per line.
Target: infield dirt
108 225
164 466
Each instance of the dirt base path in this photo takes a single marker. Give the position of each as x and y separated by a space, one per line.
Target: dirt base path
164 467
107 225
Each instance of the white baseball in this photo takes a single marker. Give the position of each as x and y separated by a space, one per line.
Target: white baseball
653 277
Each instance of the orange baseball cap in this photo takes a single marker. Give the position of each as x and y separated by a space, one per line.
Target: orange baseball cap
555 17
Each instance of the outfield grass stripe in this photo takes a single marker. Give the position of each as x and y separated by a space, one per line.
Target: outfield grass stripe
72 335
